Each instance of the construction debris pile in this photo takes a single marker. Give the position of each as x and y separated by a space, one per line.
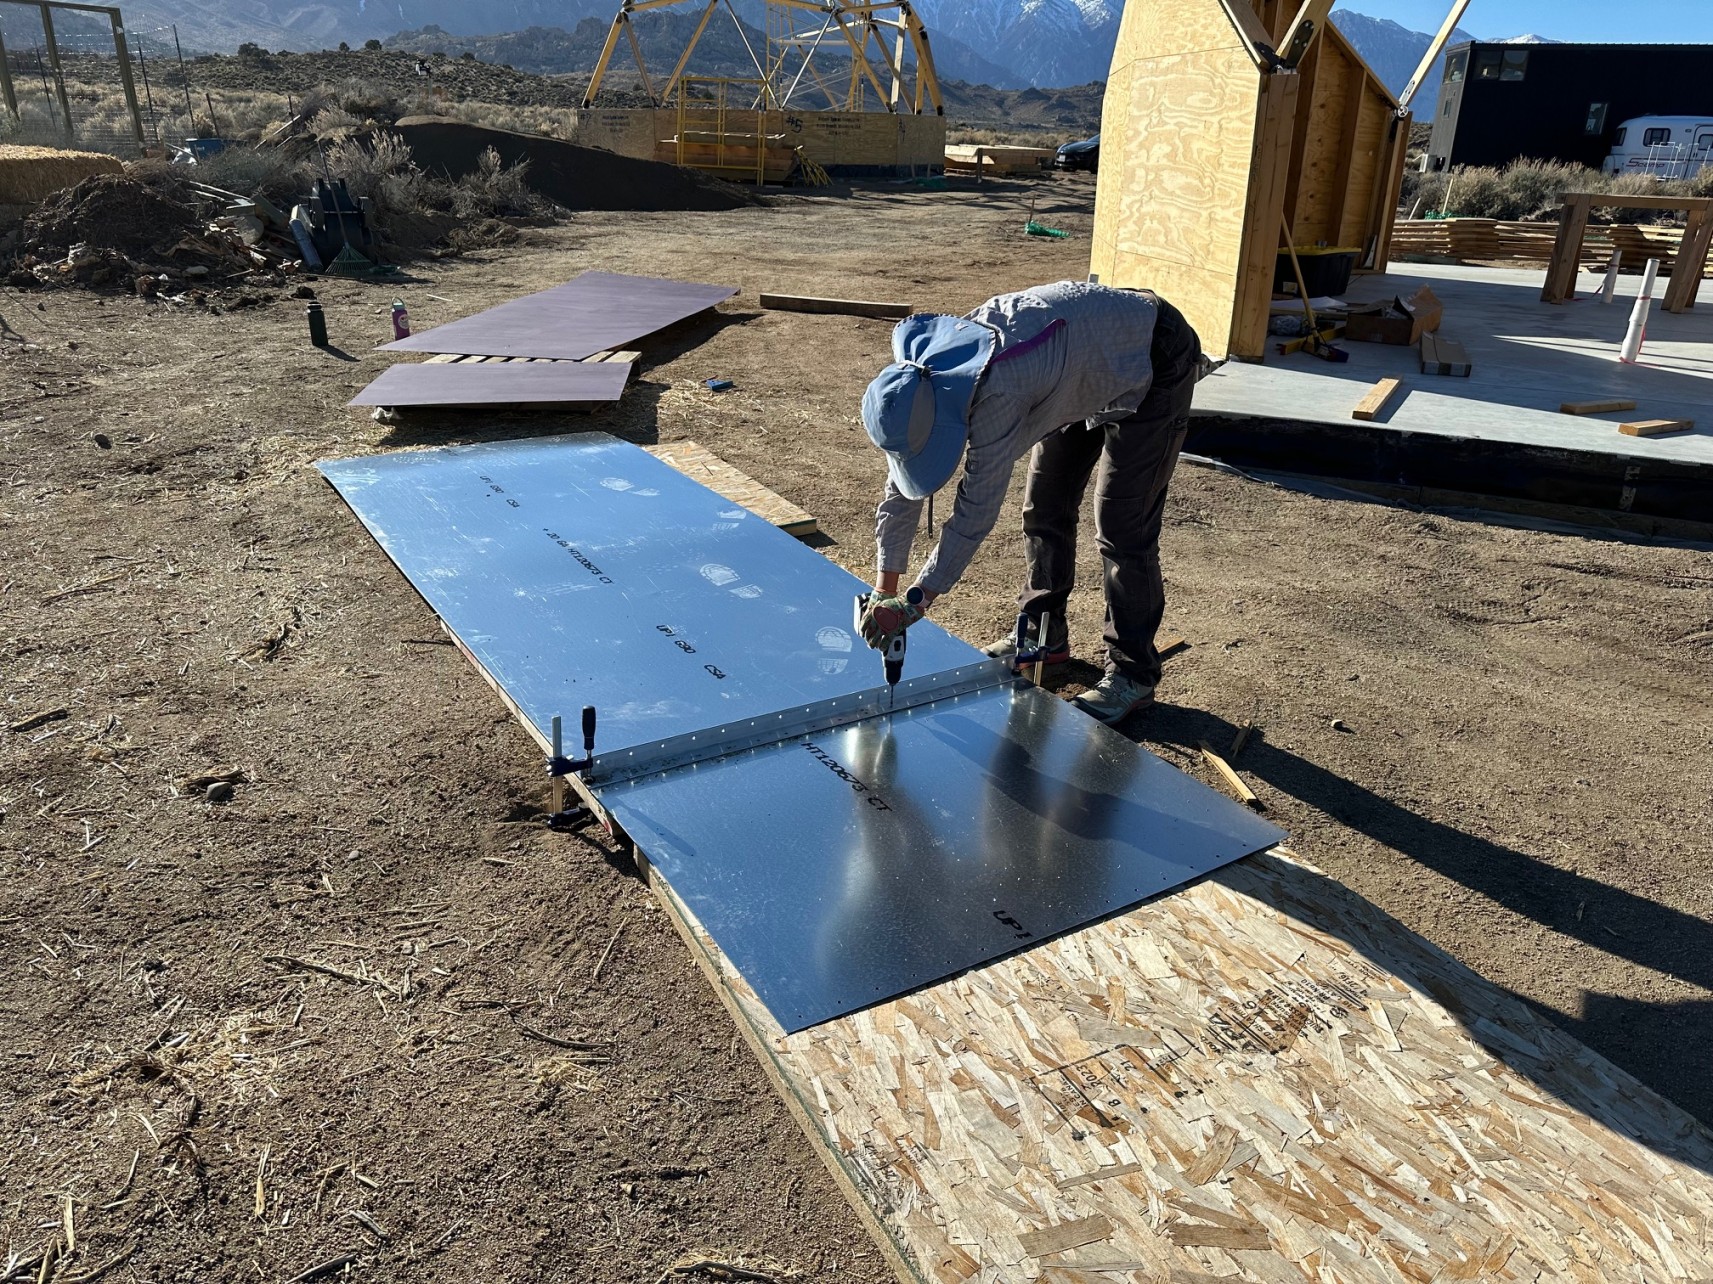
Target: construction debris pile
118 232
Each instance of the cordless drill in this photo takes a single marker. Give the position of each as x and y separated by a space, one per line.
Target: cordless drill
892 653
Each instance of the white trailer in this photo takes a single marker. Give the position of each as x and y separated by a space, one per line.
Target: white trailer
1664 147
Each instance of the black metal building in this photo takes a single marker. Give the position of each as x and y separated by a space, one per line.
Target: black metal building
1500 102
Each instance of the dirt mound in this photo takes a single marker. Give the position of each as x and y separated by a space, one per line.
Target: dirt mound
111 212
577 178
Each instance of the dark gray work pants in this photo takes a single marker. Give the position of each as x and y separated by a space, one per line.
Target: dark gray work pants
1136 456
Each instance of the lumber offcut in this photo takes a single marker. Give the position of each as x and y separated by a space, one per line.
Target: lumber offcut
1595 407
1655 427
1229 774
843 307
1379 397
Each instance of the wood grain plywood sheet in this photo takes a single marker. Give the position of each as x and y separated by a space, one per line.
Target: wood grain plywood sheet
700 464
591 313
1170 214
498 383
1259 1077
1321 156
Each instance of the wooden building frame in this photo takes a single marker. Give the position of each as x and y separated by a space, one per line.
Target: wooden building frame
8 92
1230 118
878 34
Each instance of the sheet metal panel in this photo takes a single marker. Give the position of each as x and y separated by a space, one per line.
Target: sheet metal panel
871 855
583 570
592 313
418 383
841 869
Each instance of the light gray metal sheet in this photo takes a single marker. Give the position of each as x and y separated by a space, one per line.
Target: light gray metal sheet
841 869
582 570
503 383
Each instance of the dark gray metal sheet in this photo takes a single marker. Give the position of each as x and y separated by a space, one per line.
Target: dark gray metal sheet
423 383
583 570
841 869
592 313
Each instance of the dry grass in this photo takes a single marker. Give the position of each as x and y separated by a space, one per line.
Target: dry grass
102 120
1531 190
1006 137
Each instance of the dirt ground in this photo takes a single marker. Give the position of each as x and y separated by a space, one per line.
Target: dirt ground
369 1007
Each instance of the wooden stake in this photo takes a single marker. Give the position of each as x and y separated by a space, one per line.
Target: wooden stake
1225 769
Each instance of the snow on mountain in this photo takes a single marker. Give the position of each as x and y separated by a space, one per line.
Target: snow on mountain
1040 42
1393 51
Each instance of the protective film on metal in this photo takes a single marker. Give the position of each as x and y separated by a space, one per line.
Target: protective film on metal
588 314
841 845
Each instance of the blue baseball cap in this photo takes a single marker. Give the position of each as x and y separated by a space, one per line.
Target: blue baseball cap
917 409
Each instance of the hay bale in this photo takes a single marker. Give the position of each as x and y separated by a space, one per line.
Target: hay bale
29 175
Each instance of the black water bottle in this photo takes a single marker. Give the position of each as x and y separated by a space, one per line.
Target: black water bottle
317 324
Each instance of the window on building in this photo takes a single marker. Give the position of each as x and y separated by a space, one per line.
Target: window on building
1515 64
1446 109
1487 64
1596 124
1455 67
1654 137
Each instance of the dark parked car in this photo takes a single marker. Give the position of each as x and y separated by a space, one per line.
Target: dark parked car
1083 155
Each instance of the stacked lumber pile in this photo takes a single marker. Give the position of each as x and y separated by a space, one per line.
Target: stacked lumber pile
29 175
1495 240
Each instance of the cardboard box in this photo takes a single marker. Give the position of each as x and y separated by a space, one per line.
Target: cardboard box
1402 321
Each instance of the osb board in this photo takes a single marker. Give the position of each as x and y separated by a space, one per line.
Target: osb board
700 464
1259 1077
1172 200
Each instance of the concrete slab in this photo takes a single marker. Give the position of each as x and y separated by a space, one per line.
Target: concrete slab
1529 357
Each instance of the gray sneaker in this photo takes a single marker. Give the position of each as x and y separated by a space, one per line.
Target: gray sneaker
1116 698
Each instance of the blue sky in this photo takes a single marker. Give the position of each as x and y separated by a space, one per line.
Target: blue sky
1660 21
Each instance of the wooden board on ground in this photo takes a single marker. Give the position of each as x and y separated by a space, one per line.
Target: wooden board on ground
700 464
1655 427
842 307
1374 404
1442 356
1256 1077
1595 407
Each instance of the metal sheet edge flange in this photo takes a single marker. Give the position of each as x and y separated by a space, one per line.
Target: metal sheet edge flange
788 724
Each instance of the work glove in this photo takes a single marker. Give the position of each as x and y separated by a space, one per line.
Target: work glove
886 617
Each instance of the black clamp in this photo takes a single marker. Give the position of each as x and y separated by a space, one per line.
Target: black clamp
565 818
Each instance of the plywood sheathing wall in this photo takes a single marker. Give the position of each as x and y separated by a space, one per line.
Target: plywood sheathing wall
1191 124
1206 148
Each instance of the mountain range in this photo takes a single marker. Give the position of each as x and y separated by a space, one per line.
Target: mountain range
1010 44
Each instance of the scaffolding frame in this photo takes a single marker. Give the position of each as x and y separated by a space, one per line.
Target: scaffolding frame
878 34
